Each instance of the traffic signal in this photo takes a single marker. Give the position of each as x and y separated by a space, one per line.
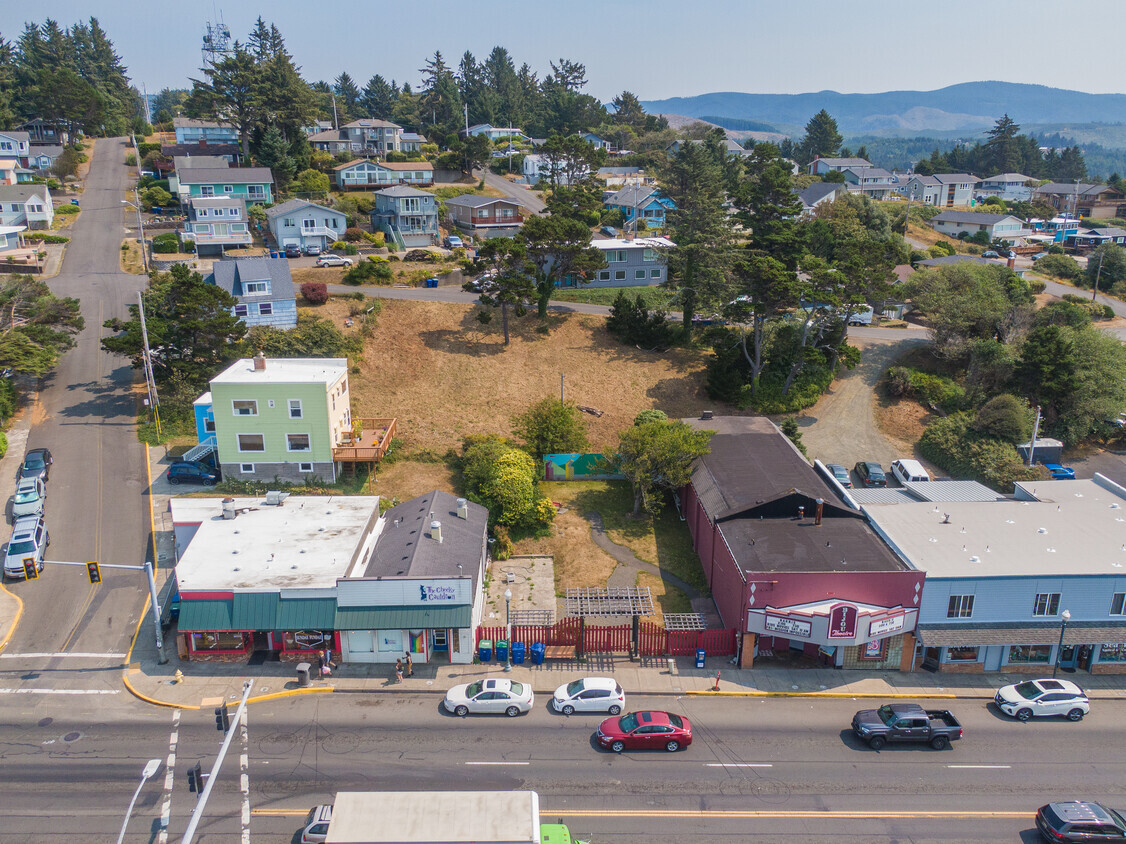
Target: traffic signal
222 719
195 779
30 569
95 571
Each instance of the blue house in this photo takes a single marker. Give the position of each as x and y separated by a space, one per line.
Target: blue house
639 202
263 287
189 130
406 215
1007 578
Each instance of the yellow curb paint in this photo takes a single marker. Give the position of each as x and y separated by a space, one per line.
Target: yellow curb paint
828 695
152 700
292 693
15 621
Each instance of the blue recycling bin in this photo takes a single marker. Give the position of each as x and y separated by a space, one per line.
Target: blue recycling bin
518 653
431 282
700 655
485 650
502 651
538 649
275 254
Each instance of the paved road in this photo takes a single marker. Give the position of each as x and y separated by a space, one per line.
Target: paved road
526 198
95 505
758 770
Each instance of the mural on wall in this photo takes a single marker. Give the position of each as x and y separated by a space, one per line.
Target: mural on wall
577 467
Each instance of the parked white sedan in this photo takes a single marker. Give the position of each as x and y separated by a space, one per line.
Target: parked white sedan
1043 697
489 697
590 694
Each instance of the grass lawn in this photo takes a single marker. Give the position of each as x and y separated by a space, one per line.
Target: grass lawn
655 297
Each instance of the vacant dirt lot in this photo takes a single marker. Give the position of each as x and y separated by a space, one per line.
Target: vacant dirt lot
444 375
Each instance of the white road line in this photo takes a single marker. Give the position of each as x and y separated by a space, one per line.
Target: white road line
498 763
244 776
987 767
169 778
738 765
60 691
62 656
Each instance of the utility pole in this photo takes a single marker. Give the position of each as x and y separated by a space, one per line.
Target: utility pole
1035 431
150 378
466 121
335 120
1098 273
562 378
197 812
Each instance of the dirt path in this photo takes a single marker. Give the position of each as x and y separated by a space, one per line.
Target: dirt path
841 427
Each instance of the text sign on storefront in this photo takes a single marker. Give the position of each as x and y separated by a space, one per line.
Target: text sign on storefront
437 593
842 622
885 625
788 626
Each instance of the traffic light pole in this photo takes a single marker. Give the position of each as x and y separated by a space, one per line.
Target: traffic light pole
197 812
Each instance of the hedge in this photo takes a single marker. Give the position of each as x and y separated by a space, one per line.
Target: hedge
930 390
166 243
42 237
67 209
951 444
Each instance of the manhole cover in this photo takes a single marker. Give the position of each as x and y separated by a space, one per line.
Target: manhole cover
46 722
72 736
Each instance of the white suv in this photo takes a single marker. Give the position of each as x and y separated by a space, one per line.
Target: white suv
29 541
1043 697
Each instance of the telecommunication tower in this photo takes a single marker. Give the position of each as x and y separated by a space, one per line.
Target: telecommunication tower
216 42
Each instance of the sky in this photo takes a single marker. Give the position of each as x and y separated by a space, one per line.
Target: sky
655 48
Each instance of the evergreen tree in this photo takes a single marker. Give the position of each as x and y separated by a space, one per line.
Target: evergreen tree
378 98
347 97
628 111
273 152
471 85
440 103
821 138
232 92
1002 149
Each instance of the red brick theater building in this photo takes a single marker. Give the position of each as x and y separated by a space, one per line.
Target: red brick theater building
798 571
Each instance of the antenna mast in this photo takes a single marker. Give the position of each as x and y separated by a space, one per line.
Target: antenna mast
216 42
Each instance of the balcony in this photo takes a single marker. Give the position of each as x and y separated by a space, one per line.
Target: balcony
205 238
370 447
319 231
497 220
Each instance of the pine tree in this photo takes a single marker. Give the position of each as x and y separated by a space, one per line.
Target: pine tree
440 103
273 152
378 98
348 96
821 138
232 93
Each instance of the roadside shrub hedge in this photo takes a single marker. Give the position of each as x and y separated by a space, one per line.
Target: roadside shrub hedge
67 209
1094 309
353 235
927 389
632 322
145 147
961 452
43 237
1036 285
167 242
1059 266
369 272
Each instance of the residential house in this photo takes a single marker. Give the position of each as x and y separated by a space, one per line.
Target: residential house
821 166
1076 198
330 573
263 287
12 173
411 142
190 130
873 182
640 203
1011 187
616 177
368 136
820 193
732 147
253 184
26 205
365 174
944 190
487 216
998 593
215 224
407 216
15 145
997 226
634 262
10 239
40 131
229 154
495 133
596 141
802 575
42 157
181 163
1085 239
301 222
317 126
538 166
948 260
924 189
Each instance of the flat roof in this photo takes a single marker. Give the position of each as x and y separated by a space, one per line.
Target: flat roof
284 371
645 242
1069 528
487 817
304 542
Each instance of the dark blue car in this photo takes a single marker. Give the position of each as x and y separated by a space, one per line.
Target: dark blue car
191 472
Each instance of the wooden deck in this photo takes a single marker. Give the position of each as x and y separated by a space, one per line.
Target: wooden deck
372 445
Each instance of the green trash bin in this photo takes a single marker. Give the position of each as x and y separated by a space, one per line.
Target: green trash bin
485 650
502 651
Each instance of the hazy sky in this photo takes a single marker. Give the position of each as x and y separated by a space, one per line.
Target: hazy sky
655 48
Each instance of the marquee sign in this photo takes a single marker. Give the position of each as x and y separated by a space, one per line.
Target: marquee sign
788 626
842 621
882 626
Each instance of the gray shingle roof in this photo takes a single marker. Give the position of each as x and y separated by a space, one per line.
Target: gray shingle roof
955 178
970 217
291 205
53 150
232 275
406 548
1009 177
17 136
473 201
946 260
817 192
847 162
631 196
402 190
371 123
226 175
22 193
1069 189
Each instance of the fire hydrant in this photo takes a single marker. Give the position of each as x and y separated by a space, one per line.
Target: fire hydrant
178 677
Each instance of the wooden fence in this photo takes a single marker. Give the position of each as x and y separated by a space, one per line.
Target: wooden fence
653 640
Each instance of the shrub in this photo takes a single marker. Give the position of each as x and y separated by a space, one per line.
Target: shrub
168 242
131 160
963 453
155 195
790 428
551 426
633 323
369 272
374 238
1036 285
1004 417
52 184
650 415
3 444
67 209
42 237
338 244
353 235
422 255
930 390
503 478
1059 266
315 292
941 249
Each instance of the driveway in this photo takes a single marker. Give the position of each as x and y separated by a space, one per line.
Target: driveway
524 196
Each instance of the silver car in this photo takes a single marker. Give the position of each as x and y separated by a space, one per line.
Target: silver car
31 493
489 697
1043 697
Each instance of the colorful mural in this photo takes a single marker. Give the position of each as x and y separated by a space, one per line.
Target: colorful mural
577 467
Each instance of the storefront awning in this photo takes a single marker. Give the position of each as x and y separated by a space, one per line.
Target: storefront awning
205 614
306 614
255 611
962 635
402 618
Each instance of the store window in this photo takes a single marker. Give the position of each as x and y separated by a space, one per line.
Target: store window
1114 652
960 606
874 650
962 654
1029 653
1117 602
1047 603
218 641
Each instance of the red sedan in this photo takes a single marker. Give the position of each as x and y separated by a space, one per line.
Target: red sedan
645 731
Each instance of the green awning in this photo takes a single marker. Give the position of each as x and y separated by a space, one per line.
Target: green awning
305 614
206 614
402 618
255 611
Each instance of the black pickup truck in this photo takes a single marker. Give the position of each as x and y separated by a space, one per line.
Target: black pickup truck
906 722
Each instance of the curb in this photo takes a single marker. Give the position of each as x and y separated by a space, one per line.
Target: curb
152 700
322 690
834 695
15 621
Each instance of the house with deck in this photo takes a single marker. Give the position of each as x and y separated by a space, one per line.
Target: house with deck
364 174
215 224
638 202
965 223
407 216
15 145
1011 187
367 136
254 185
486 216
190 130
821 166
630 262
305 223
263 287
1079 199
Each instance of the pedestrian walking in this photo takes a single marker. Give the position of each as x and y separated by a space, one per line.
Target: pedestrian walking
321 660
398 671
409 665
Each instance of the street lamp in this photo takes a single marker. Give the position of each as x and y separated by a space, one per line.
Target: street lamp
1066 617
508 629
150 769
141 222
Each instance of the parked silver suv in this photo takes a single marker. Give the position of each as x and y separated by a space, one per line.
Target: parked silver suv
29 542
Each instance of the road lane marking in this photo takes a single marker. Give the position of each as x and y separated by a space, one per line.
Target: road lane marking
738 765
498 763
61 655
169 778
60 691
985 767
733 813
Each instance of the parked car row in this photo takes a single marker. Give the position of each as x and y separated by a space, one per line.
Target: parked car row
30 537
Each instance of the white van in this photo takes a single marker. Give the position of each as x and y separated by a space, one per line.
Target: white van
863 317
909 471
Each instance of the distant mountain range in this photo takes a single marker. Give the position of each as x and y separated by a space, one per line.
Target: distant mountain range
970 106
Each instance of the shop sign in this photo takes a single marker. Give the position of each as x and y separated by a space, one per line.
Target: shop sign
436 593
842 622
874 650
788 626
883 626
310 640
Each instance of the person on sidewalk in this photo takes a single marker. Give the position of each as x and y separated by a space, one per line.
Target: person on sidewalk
398 671
409 665
321 660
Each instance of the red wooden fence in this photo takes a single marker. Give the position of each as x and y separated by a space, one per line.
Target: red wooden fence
654 640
